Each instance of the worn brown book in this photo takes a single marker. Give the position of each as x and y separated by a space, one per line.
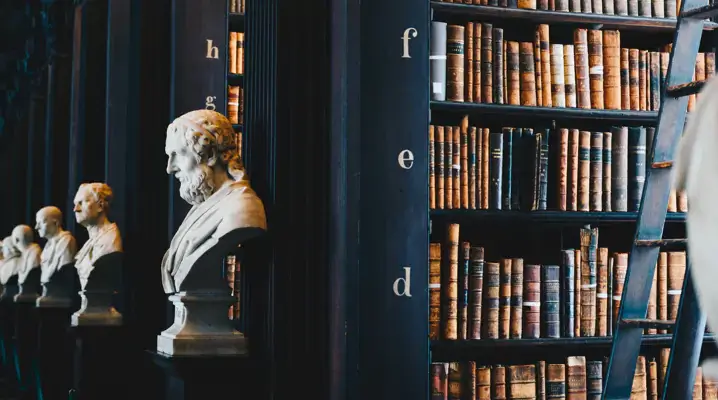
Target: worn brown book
653 380
541 380
607 165
710 388
569 71
652 310
654 73
562 163
625 80
621 7
498 64
531 301
528 75
498 383
620 266
589 248
463 302
576 378
537 68
450 283
577 293
434 290
676 273
477 68
464 158
594 380
529 4
634 78
449 167
487 66
612 69
619 169
595 198
662 289
658 8
543 31
455 381
483 382
521 382
583 85
584 170
233 104
472 167
642 80
505 299
513 74
572 170
602 304
490 319
485 173
700 69
432 169
664 355
456 167
710 64
595 65
455 63
469 62
440 165
698 385
608 7
558 94
476 284
439 380
556 381
479 167
240 53
232 52
638 390
517 291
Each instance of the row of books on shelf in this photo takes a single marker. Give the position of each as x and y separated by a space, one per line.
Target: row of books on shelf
576 378
642 8
235 104
236 53
237 6
474 63
233 270
473 298
537 169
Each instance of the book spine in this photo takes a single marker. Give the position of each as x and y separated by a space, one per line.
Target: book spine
550 291
541 380
486 162
558 94
506 169
455 63
584 168
498 63
505 299
619 169
543 155
595 65
498 383
456 168
472 168
452 285
513 76
609 7
521 382
620 265
644 8
562 168
576 378
589 242
577 293
495 169
573 166
621 7
490 319
633 7
602 293
532 301
556 381
455 381
477 63
633 78
637 166
662 290
463 301
476 284
432 169
439 143
537 68
607 143
569 298
487 65
653 380
483 383
658 8
543 31
569 70
434 290
469 62
651 311
469 380
449 167
464 158
612 69
676 273
583 81
517 291
595 200
625 80
594 380
655 70
643 80
527 73
516 168
439 381
638 390
438 58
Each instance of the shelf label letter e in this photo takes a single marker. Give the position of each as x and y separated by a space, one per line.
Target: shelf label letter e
212 51
405 39
405 290
406 159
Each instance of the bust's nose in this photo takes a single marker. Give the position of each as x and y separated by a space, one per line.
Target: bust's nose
171 167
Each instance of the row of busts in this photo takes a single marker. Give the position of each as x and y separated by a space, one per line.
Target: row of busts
25 267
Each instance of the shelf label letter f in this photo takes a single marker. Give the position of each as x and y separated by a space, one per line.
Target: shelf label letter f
405 39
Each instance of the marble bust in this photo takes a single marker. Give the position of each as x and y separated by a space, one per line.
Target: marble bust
11 260
202 154
28 278
92 203
61 246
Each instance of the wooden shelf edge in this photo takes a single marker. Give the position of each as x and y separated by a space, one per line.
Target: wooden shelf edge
550 216
235 79
236 22
623 22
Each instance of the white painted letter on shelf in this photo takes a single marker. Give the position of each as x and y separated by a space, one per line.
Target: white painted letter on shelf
405 290
405 40
406 159
209 103
212 51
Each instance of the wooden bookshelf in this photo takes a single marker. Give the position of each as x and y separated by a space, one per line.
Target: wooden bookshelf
477 216
236 22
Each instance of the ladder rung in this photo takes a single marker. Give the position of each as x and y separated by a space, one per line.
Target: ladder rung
648 323
701 12
662 164
685 89
660 242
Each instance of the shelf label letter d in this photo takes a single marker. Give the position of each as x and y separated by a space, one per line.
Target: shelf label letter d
405 39
406 289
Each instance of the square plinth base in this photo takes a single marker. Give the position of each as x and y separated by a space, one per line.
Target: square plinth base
202 345
102 363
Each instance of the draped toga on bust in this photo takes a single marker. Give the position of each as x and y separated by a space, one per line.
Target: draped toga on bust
232 207
29 259
57 253
107 241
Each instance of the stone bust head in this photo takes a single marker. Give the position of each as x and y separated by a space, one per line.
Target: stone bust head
92 203
8 248
48 222
201 147
22 237
11 259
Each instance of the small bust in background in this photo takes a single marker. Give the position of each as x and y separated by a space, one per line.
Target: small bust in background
92 204
11 260
61 246
23 239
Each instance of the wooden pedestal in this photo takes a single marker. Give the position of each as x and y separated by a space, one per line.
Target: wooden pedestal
101 363
206 378
26 349
8 372
54 355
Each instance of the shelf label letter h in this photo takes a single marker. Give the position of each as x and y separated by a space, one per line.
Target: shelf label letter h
212 51
405 39
406 290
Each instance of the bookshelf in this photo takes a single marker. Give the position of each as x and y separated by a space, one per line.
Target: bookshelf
393 330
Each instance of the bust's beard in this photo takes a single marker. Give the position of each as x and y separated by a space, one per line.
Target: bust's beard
196 186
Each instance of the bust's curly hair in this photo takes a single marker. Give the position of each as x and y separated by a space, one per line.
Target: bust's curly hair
212 139
101 191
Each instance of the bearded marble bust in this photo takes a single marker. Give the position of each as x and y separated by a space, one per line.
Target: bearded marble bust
202 154
92 203
10 262
23 237
61 246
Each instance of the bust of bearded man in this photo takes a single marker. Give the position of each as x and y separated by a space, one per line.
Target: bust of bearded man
28 272
9 268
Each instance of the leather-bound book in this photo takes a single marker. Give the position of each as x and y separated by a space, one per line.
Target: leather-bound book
576 378
450 283
434 290
619 169
654 66
607 165
233 104
507 168
527 73
464 158
240 52
568 292
633 78
612 69
561 5
595 197
594 380
439 381
487 65
477 63
633 7
541 380
652 311
698 384
602 305
469 62
528 4
556 381
577 293
472 168
621 7
490 319
609 317
586 6
232 52
531 301
476 284
530 149
537 68
469 381
544 43
437 60
562 168
589 248
662 368
652 380
625 80
498 383
513 76
638 390
597 6
463 302
550 293
496 144
658 8
505 299
456 167
455 63
517 165
569 73
609 8
595 67
558 94
575 6
662 290
620 266
479 167
643 80
572 177
440 165
543 155
644 8
455 381
483 382
584 170
432 169
710 64
521 382
636 165
710 388
676 273
485 170
498 64
517 292
448 167
700 69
